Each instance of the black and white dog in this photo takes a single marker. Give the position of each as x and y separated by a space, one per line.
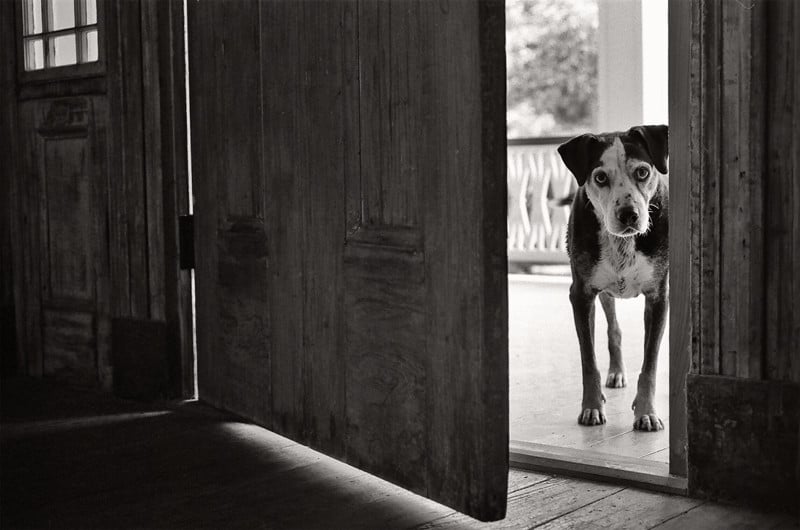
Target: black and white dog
618 248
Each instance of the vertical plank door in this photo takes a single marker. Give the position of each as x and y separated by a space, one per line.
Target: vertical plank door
349 176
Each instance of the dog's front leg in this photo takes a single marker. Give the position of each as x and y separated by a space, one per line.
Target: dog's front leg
582 300
655 317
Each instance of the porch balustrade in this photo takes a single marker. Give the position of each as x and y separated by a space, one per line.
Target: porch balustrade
536 175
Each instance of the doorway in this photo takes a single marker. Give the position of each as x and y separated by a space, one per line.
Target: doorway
571 70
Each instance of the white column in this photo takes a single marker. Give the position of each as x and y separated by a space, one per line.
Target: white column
654 62
619 89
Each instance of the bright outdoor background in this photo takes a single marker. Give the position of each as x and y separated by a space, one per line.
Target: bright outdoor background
585 65
551 50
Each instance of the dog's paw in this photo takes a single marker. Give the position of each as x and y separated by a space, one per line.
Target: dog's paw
592 417
616 379
648 422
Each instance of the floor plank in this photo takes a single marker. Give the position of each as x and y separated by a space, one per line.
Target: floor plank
710 516
535 505
626 509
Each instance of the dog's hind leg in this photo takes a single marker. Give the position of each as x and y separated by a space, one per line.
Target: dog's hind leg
592 408
655 318
616 366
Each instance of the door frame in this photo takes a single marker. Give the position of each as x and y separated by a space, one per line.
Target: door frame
684 20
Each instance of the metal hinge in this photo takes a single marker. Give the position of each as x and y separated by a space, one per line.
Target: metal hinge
186 241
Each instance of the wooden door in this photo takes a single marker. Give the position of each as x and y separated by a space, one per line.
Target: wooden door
349 175
93 106
65 192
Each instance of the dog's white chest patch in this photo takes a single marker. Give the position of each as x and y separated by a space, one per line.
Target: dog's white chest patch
621 271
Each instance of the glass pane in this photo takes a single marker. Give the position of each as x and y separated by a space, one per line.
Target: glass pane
34 54
32 16
89 45
90 8
62 14
62 50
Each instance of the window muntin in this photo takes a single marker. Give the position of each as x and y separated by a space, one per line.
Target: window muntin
59 33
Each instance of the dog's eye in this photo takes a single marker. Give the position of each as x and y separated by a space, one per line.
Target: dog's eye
642 173
601 178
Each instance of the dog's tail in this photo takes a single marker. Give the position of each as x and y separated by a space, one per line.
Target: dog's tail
561 201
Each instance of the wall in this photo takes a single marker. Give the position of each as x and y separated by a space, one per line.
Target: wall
96 263
8 349
744 384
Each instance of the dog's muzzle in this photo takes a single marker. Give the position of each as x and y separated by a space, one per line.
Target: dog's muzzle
627 222
628 216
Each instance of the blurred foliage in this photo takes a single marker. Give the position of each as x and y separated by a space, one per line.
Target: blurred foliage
552 66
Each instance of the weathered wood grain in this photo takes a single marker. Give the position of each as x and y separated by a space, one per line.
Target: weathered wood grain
10 250
730 421
794 360
465 208
625 509
285 155
232 263
177 295
67 331
683 94
709 205
320 124
744 324
718 517
68 344
390 45
386 363
67 214
536 505
190 466
152 169
30 286
782 206
118 251
132 175
376 353
742 161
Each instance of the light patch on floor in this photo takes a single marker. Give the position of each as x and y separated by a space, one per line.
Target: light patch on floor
545 372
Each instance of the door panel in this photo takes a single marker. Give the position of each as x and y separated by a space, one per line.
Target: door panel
65 189
349 170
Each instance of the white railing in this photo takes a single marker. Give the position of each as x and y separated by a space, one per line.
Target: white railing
536 174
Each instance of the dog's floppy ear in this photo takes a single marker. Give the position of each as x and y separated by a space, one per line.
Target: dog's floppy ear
655 139
580 154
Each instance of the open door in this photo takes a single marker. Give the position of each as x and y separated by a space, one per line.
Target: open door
349 175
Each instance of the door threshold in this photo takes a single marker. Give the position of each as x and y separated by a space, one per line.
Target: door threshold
646 474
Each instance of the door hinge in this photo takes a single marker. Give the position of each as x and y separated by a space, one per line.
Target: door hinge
186 241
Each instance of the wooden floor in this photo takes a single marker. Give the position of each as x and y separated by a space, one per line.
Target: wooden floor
545 373
77 459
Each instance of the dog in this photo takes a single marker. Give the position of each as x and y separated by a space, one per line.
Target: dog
617 240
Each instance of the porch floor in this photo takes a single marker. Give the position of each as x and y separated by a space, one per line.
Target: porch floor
545 372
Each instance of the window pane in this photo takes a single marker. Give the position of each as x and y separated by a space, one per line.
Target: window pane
62 14
89 45
32 16
62 50
90 8
34 54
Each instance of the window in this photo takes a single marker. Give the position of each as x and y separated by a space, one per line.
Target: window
59 33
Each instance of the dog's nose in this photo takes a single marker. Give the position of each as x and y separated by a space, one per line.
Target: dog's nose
628 215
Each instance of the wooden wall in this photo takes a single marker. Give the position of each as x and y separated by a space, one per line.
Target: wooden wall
744 382
8 349
100 261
